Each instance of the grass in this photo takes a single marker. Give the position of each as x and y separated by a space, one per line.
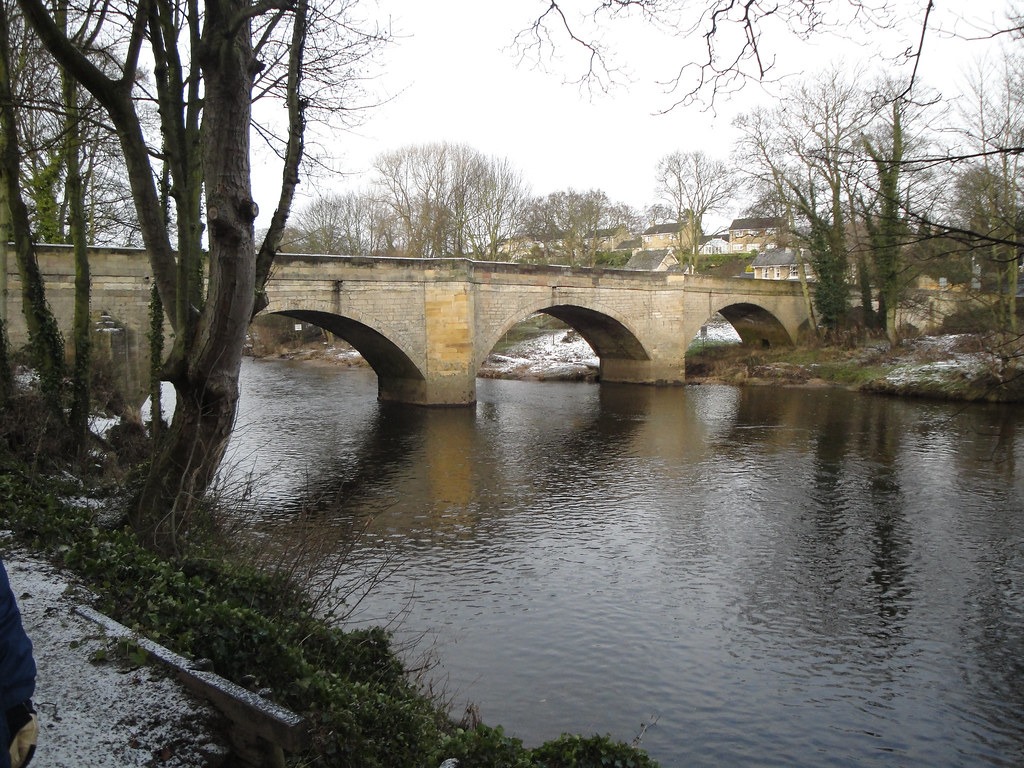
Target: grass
849 372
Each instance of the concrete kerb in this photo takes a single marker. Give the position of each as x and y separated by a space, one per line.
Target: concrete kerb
260 730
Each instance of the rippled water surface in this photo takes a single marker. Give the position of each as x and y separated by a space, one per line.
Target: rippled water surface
777 577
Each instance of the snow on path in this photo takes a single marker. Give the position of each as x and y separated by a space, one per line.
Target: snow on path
100 713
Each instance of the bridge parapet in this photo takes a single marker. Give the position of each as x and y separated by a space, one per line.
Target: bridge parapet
294 266
121 281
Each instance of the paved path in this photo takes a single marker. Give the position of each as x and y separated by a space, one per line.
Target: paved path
93 712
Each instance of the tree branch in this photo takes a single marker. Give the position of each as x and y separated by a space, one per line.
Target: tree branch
920 47
597 69
258 9
115 97
293 154
67 54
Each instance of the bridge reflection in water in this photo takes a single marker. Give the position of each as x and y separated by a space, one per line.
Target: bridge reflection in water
783 577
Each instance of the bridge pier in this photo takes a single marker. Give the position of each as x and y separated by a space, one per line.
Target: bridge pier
619 370
453 391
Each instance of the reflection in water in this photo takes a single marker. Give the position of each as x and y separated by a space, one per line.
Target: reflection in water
789 577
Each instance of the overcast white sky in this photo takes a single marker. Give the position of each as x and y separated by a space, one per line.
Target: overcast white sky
453 76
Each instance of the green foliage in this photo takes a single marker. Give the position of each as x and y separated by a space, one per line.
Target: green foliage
156 357
611 259
725 264
571 751
831 292
46 343
850 372
42 188
483 747
351 685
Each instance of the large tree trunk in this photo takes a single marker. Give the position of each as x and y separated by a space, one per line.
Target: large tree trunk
75 194
805 291
6 374
207 382
185 465
887 234
864 283
82 329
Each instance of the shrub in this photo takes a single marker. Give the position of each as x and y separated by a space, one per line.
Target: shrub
482 747
571 751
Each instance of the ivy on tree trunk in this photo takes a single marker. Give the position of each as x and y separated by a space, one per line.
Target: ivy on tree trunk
205 122
45 340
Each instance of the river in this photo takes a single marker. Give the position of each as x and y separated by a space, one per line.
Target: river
750 576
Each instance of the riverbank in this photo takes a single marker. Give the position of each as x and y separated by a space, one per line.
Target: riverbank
251 622
961 367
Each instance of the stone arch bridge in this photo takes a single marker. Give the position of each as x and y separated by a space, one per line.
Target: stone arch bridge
426 325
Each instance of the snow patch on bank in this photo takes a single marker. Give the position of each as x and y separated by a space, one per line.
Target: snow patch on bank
937 359
935 372
719 331
553 354
98 712
565 354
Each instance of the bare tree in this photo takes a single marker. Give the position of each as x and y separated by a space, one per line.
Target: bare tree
416 183
46 344
346 224
693 184
450 199
317 228
760 152
806 147
624 217
884 219
898 196
990 183
497 207
45 122
38 88
567 224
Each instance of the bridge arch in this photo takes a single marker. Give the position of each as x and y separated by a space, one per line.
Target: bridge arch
763 312
610 337
756 325
397 374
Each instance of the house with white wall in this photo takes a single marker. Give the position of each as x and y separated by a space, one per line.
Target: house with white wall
781 264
